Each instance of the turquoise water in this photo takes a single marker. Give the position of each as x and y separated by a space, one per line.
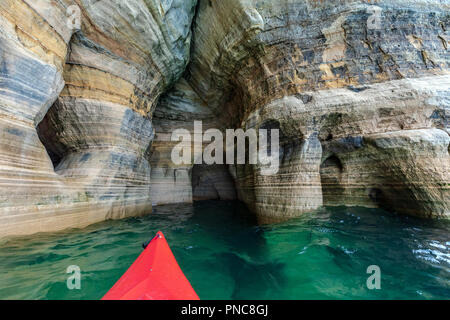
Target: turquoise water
225 255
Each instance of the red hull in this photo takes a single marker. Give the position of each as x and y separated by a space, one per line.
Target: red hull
155 275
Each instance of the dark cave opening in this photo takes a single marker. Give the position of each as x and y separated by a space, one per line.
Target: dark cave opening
212 182
331 175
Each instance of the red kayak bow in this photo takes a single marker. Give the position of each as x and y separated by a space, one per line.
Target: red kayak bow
155 275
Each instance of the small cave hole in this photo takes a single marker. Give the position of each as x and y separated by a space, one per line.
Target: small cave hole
331 176
333 161
376 195
212 182
46 131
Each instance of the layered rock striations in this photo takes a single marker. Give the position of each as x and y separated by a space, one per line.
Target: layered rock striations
351 90
359 90
97 88
181 108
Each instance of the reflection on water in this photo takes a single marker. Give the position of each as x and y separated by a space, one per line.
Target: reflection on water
226 255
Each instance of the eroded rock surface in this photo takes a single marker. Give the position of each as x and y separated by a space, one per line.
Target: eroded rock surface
86 115
97 88
331 78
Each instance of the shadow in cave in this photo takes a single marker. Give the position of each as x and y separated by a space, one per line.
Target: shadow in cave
330 176
212 182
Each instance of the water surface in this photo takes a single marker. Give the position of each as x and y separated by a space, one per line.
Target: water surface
226 255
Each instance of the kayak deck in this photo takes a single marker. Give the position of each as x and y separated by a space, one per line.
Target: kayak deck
155 275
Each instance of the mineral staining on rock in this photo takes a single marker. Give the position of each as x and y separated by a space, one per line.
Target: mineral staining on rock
97 88
171 183
86 115
331 83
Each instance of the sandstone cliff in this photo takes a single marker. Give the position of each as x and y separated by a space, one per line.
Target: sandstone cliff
97 88
362 107
359 92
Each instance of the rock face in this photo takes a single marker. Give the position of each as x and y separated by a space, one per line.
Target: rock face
97 88
171 183
351 90
359 92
